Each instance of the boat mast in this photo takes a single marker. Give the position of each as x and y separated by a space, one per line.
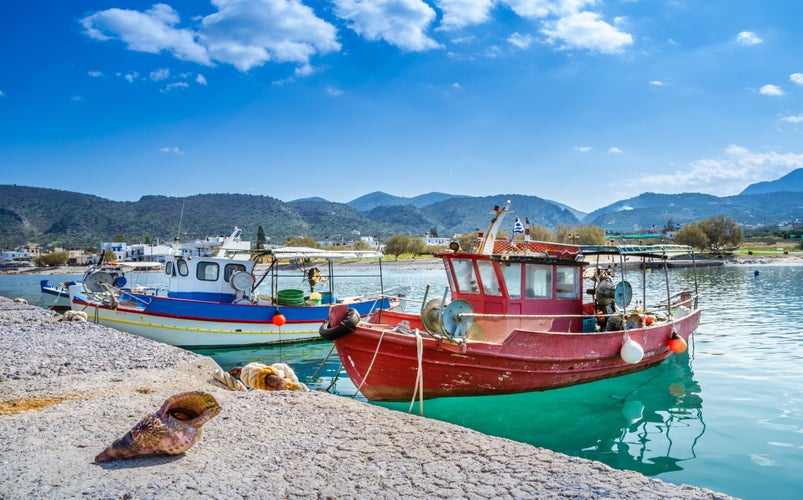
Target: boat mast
487 244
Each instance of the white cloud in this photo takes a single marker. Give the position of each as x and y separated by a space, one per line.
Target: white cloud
249 33
176 85
724 176
334 91
544 8
582 149
305 70
520 41
657 83
173 150
151 31
585 30
130 77
160 74
793 119
460 13
243 33
796 78
748 38
94 74
614 150
769 89
398 22
200 79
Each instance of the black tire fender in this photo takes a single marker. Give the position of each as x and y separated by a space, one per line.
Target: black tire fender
346 326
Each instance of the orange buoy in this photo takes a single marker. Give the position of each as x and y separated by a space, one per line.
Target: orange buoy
676 343
279 319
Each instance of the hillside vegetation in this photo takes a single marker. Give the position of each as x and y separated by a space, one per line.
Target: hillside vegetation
75 220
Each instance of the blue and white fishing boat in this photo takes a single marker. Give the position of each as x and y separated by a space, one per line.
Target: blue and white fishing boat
221 301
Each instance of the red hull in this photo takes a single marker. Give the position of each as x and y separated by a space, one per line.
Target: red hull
525 361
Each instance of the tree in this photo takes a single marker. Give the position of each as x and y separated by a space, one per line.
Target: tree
415 245
469 241
51 259
397 245
433 231
301 241
721 231
693 236
361 245
261 240
670 226
540 233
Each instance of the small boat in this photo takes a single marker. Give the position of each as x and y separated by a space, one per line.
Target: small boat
56 296
517 321
221 301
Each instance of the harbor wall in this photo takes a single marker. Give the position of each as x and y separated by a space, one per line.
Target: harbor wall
68 389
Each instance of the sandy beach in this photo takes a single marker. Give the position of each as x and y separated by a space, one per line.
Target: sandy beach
68 389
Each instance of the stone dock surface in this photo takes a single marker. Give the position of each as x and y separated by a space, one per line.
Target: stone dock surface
69 389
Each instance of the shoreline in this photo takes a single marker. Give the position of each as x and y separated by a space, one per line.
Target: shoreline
68 389
426 263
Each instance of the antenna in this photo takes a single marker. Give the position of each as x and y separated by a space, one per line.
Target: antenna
180 218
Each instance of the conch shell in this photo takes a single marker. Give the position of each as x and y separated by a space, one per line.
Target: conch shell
172 430
277 377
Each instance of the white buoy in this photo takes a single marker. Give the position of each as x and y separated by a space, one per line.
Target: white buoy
631 351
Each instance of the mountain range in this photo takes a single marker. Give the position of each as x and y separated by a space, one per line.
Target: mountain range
64 218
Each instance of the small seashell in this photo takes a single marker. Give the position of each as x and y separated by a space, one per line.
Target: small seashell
172 430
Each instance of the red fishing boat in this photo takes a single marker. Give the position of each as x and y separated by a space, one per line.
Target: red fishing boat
515 319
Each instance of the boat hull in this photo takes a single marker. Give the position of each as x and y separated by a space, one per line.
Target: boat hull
55 297
526 361
195 324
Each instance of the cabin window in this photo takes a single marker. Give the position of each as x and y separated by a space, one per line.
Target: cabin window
512 275
207 271
231 269
539 281
169 267
567 283
182 267
464 275
488 277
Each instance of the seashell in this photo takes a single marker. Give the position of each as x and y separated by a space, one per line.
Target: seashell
172 430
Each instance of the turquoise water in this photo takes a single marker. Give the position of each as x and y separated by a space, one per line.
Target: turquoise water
726 415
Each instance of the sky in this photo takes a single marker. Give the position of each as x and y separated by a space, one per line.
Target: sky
583 102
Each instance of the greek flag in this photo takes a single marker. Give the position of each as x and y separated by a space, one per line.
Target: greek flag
518 227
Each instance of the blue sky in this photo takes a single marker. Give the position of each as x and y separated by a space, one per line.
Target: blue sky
579 101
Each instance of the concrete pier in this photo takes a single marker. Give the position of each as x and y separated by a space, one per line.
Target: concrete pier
68 389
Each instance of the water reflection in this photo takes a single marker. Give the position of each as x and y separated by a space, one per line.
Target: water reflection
649 421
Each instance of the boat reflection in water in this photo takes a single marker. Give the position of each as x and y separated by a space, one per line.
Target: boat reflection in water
648 421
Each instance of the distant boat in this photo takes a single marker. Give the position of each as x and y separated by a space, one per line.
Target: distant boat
517 322
214 301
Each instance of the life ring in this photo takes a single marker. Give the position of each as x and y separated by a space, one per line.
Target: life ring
348 325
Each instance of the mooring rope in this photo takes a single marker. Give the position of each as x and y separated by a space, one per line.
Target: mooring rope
368 371
419 376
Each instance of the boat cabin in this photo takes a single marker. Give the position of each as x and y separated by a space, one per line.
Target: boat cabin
536 279
209 279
